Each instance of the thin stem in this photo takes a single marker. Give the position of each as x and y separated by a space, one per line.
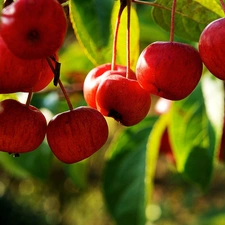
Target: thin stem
65 95
172 21
56 71
29 97
222 5
123 4
128 37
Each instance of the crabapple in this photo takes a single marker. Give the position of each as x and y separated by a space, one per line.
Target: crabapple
22 129
33 29
94 77
122 99
18 75
170 70
211 47
77 134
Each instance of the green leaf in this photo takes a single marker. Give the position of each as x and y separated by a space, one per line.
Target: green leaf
8 96
74 60
36 163
191 16
193 139
91 23
213 93
124 175
94 24
153 146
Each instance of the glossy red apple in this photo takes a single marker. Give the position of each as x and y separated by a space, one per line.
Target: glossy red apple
212 48
169 69
22 128
123 99
94 77
77 134
16 74
33 29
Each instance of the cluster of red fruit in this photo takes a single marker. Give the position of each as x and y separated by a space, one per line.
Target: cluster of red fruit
170 70
30 39
29 63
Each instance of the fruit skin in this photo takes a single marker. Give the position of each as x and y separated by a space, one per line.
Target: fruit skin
33 29
17 74
77 134
22 128
94 77
212 48
170 70
123 99
46 75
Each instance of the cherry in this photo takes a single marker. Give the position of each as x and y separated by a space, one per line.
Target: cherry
170 70
77 134
22 127
122 98
17 74
211 47
33 29
94 77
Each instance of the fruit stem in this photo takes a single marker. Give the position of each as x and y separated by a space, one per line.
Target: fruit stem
128 37
56 71
222 5
172 20
29 97
123 5
65 95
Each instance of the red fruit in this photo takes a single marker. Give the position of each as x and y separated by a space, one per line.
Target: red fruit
123 99
94 78
169 69
33 29
75 135
212 48
46 76
165 146
17 74
22 127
